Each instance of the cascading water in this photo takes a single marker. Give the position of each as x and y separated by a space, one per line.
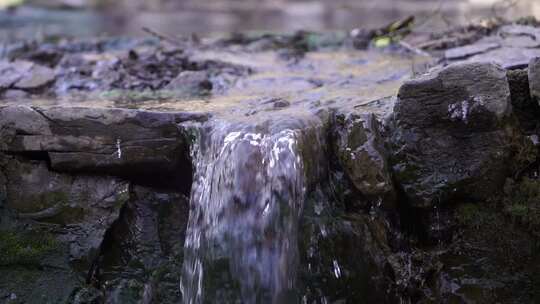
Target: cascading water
246 201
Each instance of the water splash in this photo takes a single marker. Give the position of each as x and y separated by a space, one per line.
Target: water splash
118 149
246 200
337 269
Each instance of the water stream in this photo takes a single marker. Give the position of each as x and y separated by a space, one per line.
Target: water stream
246 202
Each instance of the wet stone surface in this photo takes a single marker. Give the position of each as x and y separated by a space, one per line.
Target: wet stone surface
268 169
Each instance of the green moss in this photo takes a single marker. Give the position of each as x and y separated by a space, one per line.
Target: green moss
467 213
518 210
316 41
522 202
31 203
56 197
53 198
25 248
524 154
121 198
475 215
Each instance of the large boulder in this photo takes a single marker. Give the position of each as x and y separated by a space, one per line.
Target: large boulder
453 134
138 145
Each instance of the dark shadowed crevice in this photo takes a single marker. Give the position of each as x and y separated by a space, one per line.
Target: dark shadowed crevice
143 248
525 108
342 188
411 220
161 206
106 247
176 179
33 155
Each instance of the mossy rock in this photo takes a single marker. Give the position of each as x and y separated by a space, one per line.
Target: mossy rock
25 248
20 284
522 203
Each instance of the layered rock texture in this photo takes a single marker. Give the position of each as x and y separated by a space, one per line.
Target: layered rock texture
273 169
453 134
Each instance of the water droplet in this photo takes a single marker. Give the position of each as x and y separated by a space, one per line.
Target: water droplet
118 149
337 270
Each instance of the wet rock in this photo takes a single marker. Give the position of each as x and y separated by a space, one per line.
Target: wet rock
488 242
516 30
36 77
525 107
190 83
129 143
52 227
414 273
144 69
10 74
452 133
512 48
275 85
15 94
142 258
33 286
508 58
534 78
278 104
24 75
359 148
521 42
469 50
85 206
79 72
343 254
87 295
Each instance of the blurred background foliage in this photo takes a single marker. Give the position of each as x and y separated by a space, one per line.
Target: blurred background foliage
23 18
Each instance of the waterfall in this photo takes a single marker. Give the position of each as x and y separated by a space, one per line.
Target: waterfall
246 201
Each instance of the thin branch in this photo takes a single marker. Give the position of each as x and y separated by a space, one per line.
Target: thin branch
413 49
163 36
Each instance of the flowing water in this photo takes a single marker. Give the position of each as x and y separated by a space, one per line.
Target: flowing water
246 201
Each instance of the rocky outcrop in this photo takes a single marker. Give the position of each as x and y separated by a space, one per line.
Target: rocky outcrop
147 147
87 230
534 78
360 150
513 47
143 252
525 108
67 175
305 190
25 75
452 134
84 205
52 226
191 83
330 271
